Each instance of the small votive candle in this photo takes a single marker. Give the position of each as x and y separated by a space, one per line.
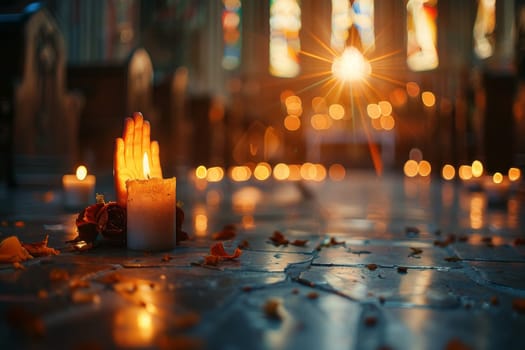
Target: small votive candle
151 208
79 189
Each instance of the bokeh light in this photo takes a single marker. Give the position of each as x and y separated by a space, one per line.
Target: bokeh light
373 110
424 168
477 168
514 174
428 98
292 122
386 107
465 172
262 171
410 168
281 171
448 172
336 111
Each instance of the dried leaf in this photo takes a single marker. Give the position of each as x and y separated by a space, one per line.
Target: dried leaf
416 250
218 254
40 248
299 242
211 260
11 251
371 267
312 295
452 258
243 245
218 250
278 239
402 269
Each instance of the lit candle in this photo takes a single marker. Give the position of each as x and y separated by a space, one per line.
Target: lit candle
151 208
79 189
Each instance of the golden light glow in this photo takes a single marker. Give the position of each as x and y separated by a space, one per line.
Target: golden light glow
248 222
336 111
320 121
373 110
319 104
376 124
412 89
133 328
215 174
351 65
281 171
477 168
514 174
336 172
262 171
245 199
308 171
386 108
387 122
398 97
295 172
476 211
294 105
292 122
285 94
410 168
424 168
201 172
428 98
240 173
448 172
200 224
465 172
81 172
497 178
320 173
285 44
145 166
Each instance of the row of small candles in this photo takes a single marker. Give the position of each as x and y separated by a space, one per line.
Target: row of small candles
263 171
79 188
497 185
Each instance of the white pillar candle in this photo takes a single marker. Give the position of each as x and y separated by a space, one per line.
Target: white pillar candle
79 189
151 207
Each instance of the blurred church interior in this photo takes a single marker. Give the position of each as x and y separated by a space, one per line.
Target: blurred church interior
233 82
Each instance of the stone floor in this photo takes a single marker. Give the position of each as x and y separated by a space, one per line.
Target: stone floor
390 263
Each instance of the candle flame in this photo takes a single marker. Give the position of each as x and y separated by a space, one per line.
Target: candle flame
81 172
145 166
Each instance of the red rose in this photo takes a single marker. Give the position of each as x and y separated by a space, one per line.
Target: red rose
111 221
108 219
86 222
